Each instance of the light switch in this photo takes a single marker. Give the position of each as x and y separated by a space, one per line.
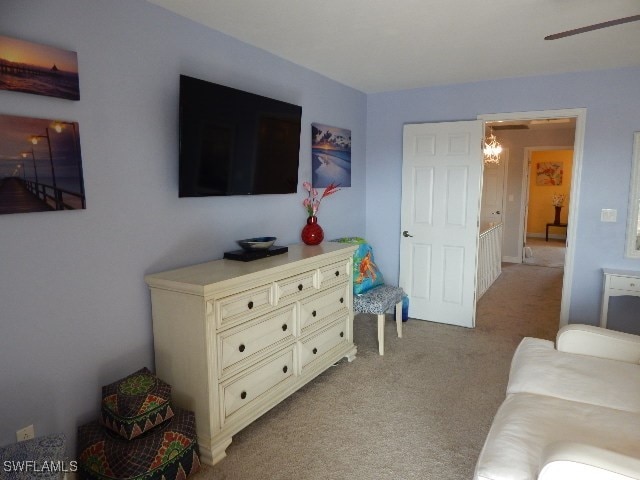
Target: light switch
608 215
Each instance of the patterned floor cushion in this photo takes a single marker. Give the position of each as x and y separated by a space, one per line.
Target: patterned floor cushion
136 404
167 452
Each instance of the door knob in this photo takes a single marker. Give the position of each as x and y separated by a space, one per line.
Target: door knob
406 234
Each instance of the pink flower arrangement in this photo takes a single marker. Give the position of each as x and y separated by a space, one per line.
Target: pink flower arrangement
312 202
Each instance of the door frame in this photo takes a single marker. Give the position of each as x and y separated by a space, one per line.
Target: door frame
504 164
580 114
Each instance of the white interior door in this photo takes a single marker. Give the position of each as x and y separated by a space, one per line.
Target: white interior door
441 185
492 209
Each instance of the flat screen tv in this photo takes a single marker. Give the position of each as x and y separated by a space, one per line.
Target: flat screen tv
236 143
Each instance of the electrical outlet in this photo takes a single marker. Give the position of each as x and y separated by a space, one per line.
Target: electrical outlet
608 215
26 433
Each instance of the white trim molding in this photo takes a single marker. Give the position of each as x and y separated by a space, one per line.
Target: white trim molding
633 222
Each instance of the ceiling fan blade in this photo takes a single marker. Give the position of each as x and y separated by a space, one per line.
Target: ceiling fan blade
610 23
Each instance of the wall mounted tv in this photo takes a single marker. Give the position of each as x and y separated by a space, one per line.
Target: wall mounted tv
236 143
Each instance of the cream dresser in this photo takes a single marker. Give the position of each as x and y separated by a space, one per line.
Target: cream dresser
234 339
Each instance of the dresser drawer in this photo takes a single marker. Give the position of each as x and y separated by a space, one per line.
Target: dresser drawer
246 340
322 305
624 283
335 273
321 343
242 392
249 301
293 287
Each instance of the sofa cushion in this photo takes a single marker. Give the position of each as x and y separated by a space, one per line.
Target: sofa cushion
537 367
526 424
366 274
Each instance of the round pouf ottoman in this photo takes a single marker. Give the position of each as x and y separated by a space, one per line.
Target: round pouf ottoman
167 452
136 404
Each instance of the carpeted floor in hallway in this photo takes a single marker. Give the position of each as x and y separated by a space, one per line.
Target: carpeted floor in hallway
421 411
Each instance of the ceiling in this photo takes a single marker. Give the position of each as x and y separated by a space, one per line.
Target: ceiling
388 45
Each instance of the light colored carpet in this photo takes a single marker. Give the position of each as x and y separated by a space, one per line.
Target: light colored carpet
421 411
546 254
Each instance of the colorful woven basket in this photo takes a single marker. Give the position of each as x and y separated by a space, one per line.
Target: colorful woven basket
136 404
167 452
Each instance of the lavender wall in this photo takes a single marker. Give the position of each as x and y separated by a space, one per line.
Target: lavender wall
74 308
612 99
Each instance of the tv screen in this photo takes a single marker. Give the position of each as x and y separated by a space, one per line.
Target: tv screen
236 143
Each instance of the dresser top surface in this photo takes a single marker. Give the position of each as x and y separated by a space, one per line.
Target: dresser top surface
216 271
621 273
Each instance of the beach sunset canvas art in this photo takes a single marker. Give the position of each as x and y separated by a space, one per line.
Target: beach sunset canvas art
331 156
40 165
39 69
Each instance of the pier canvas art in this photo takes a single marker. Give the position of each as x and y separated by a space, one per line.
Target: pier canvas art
40 165
39 69
331 156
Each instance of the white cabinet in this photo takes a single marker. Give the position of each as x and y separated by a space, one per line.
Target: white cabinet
233 339
617 283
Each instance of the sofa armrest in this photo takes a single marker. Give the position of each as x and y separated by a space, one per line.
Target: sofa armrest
599 342
564 460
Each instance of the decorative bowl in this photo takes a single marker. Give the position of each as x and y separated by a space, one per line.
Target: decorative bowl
258 243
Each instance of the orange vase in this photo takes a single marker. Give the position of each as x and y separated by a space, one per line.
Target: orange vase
312 233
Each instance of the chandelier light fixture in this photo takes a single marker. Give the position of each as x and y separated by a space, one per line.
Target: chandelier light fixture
492 149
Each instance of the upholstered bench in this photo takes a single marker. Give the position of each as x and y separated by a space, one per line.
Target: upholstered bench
44 458
378 301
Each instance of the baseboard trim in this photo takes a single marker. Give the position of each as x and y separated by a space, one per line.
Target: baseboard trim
555 236
512 259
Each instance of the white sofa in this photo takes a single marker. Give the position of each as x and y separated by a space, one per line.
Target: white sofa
572 410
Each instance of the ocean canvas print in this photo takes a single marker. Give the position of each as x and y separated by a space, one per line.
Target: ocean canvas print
331 156
40 165
39 69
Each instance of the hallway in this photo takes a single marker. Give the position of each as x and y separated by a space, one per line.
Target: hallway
523 301
545 254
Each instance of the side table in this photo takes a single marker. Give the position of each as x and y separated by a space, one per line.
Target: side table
563 225
617 283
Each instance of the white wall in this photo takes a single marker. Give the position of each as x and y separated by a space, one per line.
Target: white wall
74 308
612 100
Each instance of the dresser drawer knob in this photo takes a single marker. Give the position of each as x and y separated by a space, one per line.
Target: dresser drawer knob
243 395
250 305
241 347
284 327
314 313
300 287
315 350
633 284
337 273
342 334
341 299
285 369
